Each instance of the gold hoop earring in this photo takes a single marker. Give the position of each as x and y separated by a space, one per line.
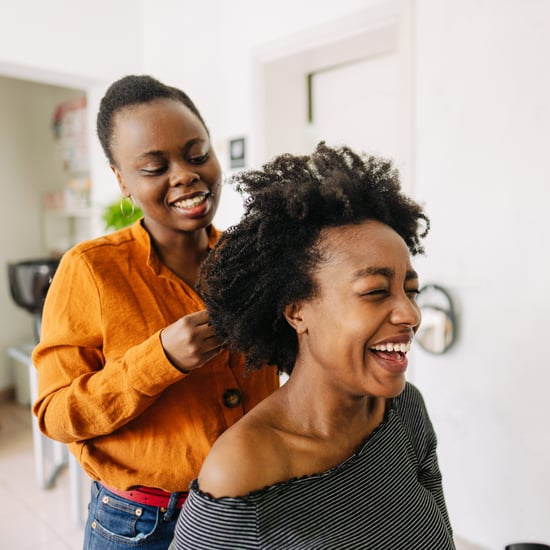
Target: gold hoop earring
122 203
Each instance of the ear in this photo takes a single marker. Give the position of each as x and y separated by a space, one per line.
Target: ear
294 317
120 181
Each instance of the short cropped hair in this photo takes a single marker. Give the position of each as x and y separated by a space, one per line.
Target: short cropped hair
134 90
266 261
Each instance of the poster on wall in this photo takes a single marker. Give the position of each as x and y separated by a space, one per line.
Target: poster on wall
237 153
69 128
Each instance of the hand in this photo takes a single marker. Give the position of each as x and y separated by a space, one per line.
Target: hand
190 342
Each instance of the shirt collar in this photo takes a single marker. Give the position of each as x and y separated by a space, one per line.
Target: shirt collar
143 240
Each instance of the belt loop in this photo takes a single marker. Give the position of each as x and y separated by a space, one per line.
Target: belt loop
172 507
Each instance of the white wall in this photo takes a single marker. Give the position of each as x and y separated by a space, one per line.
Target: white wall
483 133
213 45
67 42
206 47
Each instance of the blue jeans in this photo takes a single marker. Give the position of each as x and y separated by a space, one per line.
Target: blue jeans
115 523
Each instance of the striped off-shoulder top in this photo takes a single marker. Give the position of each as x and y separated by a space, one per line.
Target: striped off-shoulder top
387 496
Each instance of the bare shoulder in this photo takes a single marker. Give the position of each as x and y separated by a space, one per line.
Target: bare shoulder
245 458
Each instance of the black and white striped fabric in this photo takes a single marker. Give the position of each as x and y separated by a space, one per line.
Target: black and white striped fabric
388 496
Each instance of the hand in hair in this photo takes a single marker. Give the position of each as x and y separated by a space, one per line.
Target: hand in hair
190 342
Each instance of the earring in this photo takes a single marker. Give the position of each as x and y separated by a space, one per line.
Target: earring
122 208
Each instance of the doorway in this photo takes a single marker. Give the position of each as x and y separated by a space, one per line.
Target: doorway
347 82
357 104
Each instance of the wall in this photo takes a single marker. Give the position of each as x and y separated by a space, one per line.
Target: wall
212 49
482 137
31 165
69 43
212 43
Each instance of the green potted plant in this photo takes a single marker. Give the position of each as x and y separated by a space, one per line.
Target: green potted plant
115 218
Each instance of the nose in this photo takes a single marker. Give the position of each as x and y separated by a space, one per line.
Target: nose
406 312
183 174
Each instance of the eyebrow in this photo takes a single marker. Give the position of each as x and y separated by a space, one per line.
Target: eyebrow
384 272
151 154
186 147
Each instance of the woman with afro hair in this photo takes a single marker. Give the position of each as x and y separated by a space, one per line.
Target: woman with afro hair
317 280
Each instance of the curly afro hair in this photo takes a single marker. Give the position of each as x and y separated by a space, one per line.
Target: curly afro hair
133 90
266 261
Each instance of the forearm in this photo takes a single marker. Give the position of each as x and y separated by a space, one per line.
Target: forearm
79 398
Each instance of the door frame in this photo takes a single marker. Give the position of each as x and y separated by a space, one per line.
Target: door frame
280 70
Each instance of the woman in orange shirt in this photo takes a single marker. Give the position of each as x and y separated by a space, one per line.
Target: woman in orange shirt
131 375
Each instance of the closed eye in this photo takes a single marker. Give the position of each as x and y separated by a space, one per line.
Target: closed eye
413 293
199 160
375 293
382 293
153 171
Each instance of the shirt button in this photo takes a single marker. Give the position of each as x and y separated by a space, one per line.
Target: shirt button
232 398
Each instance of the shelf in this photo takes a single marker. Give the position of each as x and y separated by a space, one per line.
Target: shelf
74 212
65 227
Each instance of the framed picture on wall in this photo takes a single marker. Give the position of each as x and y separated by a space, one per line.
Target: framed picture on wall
237 152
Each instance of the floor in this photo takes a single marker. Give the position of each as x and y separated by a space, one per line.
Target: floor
31 517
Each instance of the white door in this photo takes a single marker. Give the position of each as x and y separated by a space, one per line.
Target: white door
358 105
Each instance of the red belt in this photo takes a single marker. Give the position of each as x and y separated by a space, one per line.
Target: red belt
148 496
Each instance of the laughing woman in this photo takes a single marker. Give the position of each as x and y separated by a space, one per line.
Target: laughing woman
131 375
317 279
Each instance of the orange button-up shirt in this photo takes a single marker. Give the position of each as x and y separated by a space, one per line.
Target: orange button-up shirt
105 385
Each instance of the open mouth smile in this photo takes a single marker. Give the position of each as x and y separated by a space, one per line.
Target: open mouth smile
392 355
195 206
403 348
191 202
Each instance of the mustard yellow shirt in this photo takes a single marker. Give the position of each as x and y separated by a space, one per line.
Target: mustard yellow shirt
105 386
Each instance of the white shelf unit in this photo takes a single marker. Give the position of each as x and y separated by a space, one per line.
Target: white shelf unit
63 228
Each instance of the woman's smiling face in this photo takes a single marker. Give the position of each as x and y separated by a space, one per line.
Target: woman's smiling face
358 328
164 159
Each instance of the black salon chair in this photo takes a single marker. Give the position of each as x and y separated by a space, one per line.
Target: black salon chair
527 546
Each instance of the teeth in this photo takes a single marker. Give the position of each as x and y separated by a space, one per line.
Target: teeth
403 348
190 203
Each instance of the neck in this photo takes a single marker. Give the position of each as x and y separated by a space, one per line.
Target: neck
328 413
182 252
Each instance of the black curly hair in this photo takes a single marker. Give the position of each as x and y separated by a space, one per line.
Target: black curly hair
133 90
266 261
